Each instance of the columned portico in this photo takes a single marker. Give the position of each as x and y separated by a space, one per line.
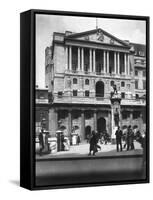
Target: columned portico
107 61
115 62
124 71
104 61
66 58
94 61
70 58
118 62
90 60
79 66
82 59
128 63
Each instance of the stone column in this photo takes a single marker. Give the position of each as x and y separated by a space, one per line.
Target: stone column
95 120
66 58
69 123
115 62
131 118
104 61
82 125
82 59
90 59
107 61
124 63
118 62
79 59
53 121
128 64
70 58
94 61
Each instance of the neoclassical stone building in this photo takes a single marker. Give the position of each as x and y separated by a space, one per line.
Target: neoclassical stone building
80 71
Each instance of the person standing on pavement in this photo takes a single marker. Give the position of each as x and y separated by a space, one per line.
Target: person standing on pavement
93 142
119 135
130 139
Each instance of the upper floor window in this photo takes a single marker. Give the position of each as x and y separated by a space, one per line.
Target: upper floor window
112 83
75 81
128 86
75 92
122 84
137 96
123 95
136 72
144 85
136 84
144 73
87 93
87 81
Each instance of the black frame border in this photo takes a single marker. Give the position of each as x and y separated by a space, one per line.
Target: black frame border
27 97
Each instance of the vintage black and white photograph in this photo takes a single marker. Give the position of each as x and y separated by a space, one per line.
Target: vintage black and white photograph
90 96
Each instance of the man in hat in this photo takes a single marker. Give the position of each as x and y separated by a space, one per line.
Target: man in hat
119 135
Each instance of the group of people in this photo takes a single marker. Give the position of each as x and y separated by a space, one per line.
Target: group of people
128 138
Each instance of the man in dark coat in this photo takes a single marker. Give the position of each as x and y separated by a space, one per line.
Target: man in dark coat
130 138
119 139
93 144
41 142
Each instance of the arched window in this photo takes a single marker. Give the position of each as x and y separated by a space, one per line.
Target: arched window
87 82
99 89
75 81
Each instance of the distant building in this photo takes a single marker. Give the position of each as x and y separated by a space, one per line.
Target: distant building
80 71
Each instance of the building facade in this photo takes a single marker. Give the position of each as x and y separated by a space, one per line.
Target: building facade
80 72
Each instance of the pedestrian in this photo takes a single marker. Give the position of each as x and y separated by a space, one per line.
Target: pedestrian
119 135
94 143
41 142
130 138
78 139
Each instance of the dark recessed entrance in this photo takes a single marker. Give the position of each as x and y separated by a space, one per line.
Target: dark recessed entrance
101 125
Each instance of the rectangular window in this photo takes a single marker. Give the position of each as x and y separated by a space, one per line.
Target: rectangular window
136 114
136 84
144 73
125 115
87 93
123 95
144 85
136 72
75 93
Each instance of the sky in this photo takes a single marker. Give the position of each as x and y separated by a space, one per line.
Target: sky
132 30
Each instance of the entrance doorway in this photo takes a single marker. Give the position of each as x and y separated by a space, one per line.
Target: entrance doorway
101 125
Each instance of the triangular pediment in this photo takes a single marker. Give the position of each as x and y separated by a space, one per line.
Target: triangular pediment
98 36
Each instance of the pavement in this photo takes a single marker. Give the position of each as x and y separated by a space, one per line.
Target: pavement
82 150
